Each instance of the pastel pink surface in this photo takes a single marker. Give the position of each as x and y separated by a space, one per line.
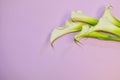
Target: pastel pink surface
25 51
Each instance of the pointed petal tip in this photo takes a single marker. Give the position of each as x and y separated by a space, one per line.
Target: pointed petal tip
108 6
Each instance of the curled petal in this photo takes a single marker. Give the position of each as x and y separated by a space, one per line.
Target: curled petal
68 28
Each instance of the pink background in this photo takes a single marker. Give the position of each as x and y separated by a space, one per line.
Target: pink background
25 51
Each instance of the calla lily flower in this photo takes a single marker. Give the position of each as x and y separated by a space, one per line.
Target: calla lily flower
86 33
90 27
68 28
81 17
107 23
